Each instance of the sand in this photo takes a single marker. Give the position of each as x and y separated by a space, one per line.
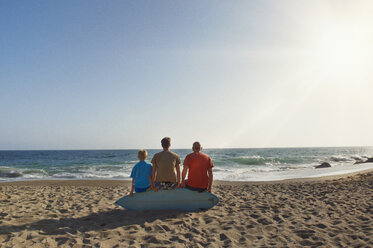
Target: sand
332 212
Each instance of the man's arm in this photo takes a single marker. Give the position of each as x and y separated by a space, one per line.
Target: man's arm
209 173
183 175
178 175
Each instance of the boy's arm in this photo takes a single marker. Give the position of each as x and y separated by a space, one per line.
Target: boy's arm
152 180
132 186
183 175
209 172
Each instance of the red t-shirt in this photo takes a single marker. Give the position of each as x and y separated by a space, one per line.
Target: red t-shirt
198 164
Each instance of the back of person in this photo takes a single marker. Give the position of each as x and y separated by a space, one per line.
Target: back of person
166 168
166 162
198 164
141 172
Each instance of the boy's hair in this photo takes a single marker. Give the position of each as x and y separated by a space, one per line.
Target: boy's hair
142 154
166 142
197 146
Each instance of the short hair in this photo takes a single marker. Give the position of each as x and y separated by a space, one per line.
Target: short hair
197 146
166 142
142 154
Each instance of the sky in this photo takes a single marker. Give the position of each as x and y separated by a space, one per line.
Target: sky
231 74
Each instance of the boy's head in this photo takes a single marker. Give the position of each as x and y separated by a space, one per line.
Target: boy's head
166 142
197 146
142 154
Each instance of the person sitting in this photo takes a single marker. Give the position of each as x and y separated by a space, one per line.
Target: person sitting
199 166
166 168
141 174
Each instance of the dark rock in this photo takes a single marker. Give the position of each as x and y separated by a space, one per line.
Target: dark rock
369 160
323 165
10 174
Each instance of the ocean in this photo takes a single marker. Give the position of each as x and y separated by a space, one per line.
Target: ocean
259 164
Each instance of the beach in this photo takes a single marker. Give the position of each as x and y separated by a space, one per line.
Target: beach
318 212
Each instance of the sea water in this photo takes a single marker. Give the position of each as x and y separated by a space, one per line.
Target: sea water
259 164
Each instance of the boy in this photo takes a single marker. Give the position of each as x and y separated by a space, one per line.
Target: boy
141 174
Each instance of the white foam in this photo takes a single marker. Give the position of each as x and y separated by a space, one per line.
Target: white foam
311 172
226 173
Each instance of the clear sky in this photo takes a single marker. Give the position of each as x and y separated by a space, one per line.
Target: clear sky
123 74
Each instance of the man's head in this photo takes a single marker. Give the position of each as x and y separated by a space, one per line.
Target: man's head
166 142
142 155
197 146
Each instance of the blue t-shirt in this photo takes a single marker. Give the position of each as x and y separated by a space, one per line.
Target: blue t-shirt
141 172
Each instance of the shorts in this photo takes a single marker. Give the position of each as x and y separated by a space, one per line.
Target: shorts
165 185
138 190
195 189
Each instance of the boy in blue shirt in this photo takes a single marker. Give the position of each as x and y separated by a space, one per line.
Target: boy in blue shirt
141 174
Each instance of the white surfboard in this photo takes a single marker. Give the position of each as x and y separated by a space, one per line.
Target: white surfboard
178 199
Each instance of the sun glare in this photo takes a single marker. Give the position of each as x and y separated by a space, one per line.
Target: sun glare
340 54
340 50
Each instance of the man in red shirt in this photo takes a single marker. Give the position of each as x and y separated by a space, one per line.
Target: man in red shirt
199 166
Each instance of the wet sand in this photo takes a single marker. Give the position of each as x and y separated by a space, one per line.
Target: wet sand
325 212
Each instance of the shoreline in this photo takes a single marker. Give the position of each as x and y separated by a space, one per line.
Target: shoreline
241 165
122 182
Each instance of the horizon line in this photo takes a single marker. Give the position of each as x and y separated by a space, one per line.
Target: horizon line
209 148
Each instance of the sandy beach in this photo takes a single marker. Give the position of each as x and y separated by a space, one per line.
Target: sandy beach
325 212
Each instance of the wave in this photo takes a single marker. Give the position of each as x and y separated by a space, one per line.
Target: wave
257 160
9 173
359 158
340 159
65 176
110 156
297 161
33 171
229 164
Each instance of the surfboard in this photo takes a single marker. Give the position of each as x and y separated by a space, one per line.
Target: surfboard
178 199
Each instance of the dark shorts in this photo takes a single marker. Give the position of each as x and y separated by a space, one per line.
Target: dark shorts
138 190
195 189
165 185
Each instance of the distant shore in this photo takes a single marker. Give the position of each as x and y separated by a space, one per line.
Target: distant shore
327 211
